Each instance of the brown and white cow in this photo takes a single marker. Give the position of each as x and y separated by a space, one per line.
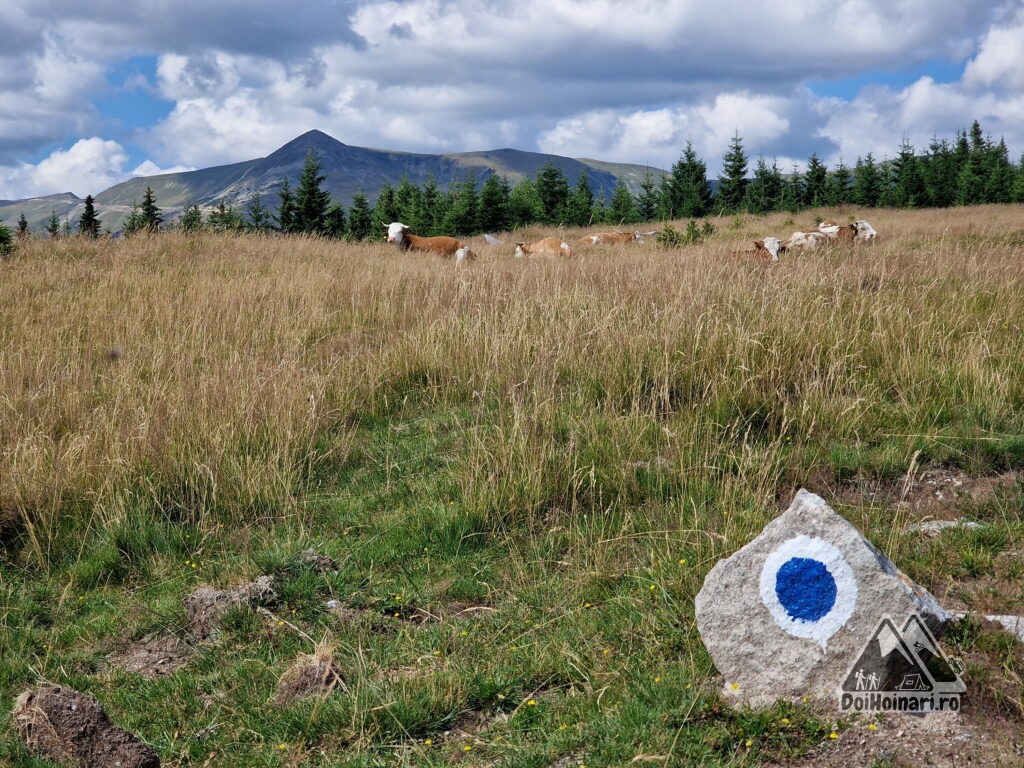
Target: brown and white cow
607 238
768 249
446 247
808 240
549 247
834 231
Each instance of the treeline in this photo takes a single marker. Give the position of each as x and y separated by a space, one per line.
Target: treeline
971 169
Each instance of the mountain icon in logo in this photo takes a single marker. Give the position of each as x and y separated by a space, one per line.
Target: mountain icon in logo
888 663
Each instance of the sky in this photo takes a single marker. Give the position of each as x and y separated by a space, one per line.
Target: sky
93 92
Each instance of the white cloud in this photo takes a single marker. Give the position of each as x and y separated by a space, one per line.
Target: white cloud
1000 59
89 166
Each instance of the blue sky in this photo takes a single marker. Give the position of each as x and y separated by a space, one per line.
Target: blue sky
94 92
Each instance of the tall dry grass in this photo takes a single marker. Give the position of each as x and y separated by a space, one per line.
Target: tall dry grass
217 379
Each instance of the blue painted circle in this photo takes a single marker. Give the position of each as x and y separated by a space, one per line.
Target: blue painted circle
805 588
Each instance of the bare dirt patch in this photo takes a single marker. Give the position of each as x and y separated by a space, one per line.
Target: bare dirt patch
207 605
931 493
941 740
154 656
66 726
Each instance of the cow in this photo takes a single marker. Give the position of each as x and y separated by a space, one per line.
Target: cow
834 231
769 249
808 240
446 247
607 238
549 247
864 230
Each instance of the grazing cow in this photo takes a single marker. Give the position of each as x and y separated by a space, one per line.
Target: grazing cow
808 240
549 247
447 247
607 238
864 230
769 249
464 254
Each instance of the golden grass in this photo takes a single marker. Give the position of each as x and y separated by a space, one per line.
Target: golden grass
208 377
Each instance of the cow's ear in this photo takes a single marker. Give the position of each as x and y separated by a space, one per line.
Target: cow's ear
758 244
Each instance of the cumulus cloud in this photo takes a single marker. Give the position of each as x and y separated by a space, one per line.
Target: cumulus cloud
626 80
88 167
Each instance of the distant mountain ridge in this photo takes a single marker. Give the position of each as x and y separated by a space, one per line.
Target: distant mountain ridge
347 170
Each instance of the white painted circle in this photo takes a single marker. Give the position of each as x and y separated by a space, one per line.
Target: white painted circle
823 555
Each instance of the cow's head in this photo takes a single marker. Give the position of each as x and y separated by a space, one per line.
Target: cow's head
865 230
519 250
638 236
771 244
397 232
464 254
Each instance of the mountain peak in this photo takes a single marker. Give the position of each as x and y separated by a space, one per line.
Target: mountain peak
301 145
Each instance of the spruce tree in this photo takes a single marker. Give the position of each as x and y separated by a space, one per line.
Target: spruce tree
732 187
286 213
191 219
623 207
687 191
311 202
814 182
764 192
1018 184
409 204
133 222
463 203
88 224
6 240
999 174
53 226
22 232
909 189
334 222
493 214
260 218
553 193
224 218
524 205
940 173
151 216
360 217
580 207
647 199
385 212
839 188
867 184
430 212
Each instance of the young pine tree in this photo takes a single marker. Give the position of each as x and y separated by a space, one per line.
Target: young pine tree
6 240
732 187
152 218
22 232
524 205
260 218
286 213
647 199
53 226
334 222
815 182
839 187
360 217
553 193
494 214
580 207
311 202
687 191
191 219
88 224
385 212
623 207
867 183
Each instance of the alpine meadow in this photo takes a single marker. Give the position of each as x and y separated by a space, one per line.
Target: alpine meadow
486 495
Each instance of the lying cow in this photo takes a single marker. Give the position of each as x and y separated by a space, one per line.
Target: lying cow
769 249
607 238
864 230
446 247
549 247
834 231
808 240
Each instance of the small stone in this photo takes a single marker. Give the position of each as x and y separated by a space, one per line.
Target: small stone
934 527
789 614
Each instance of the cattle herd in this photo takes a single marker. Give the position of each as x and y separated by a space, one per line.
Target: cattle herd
767 248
